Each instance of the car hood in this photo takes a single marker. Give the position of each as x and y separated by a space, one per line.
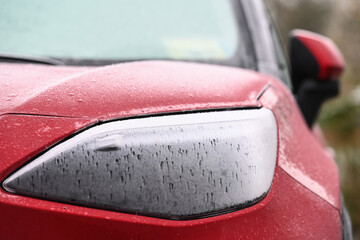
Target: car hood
123 90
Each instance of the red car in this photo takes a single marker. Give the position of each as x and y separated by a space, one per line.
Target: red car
193 130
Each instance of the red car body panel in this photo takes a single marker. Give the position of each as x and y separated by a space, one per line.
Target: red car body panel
129 89
290 211
300 198
301 154
22 137
20 82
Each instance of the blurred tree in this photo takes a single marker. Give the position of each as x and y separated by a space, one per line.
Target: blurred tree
296 14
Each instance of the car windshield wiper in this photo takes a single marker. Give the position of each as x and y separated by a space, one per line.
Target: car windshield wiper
29 59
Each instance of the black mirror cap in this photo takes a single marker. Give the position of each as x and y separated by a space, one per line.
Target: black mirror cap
317 65
314 57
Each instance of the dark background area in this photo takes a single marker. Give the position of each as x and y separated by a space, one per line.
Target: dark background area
340 117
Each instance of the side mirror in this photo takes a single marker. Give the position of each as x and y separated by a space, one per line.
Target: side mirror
317 65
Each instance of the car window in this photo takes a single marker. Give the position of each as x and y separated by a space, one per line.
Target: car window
204 30
279 51
269 54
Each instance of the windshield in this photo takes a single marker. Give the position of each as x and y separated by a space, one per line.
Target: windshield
112 30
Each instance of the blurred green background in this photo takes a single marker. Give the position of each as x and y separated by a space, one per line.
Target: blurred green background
339 118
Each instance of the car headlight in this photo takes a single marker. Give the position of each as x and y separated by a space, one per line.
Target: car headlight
178 167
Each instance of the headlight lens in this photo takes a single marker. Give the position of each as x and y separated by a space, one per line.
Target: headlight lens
177 167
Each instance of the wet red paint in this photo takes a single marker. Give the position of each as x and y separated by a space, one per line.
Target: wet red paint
23 137
129 89
305 190
301 154
290 211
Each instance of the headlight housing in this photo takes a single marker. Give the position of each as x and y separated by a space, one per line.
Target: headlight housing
177 167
